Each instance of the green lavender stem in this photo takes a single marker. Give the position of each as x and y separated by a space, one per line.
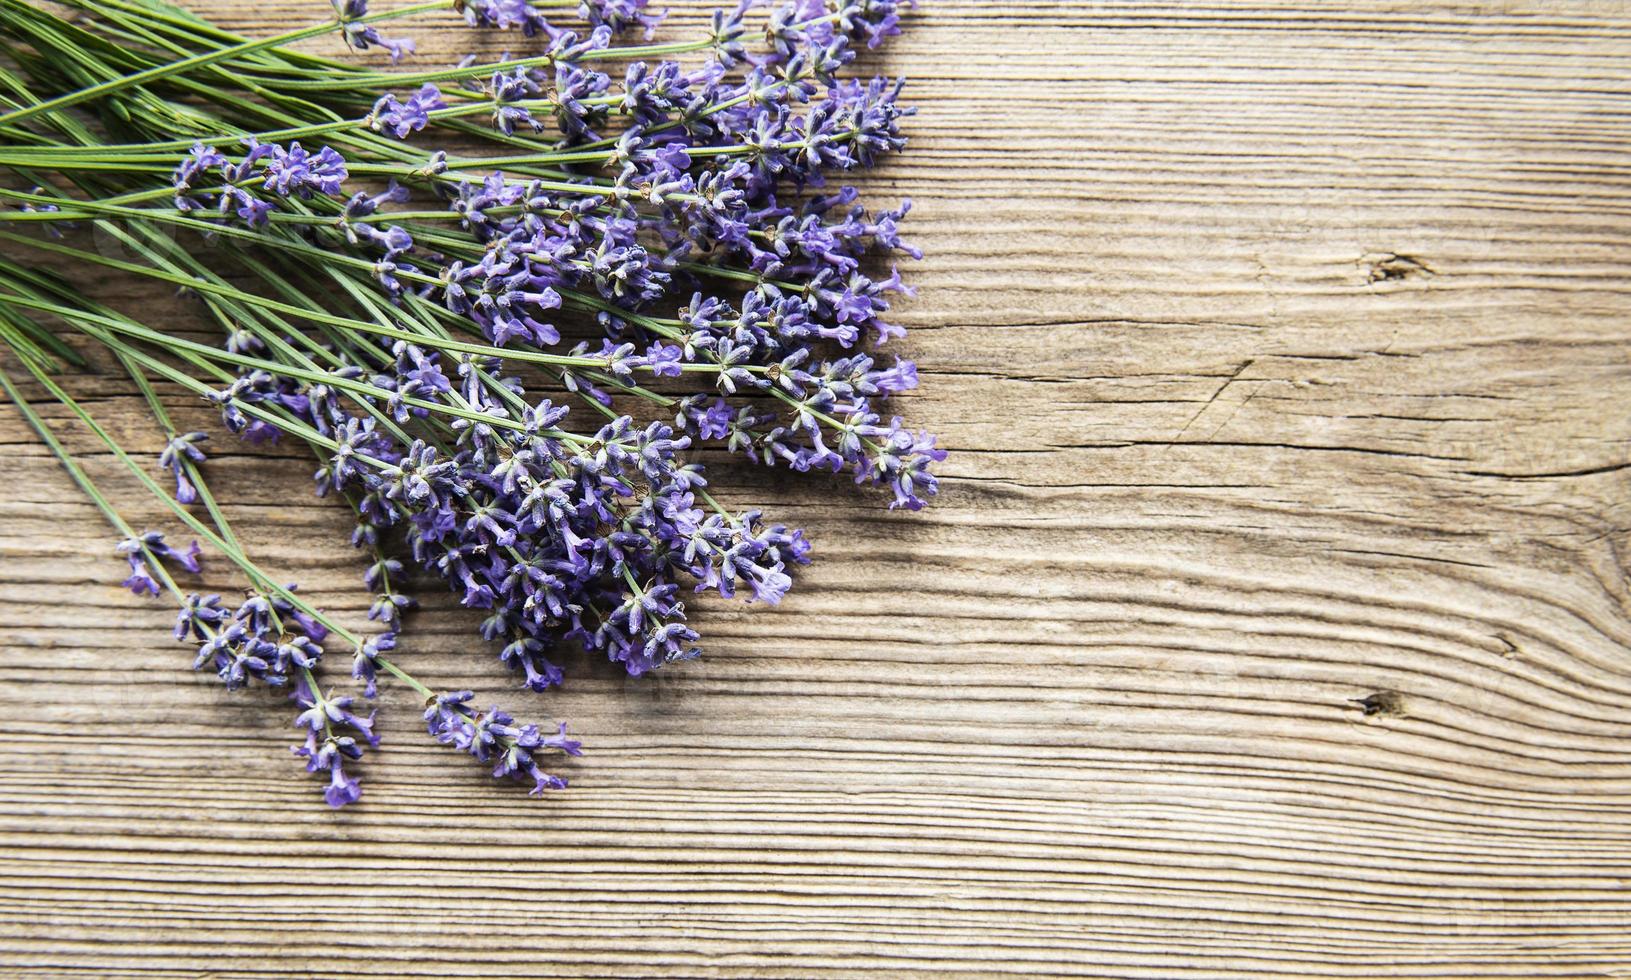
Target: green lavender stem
202 60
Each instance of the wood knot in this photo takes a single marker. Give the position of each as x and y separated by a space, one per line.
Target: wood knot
1387 703
1394 266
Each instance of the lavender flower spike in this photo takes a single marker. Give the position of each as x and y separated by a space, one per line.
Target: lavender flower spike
494 737
295 171
138 548
364 36
399 118
183 447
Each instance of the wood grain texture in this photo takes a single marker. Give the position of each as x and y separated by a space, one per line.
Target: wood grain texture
1274 619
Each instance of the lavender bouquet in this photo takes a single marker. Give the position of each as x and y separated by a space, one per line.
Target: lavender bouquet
501 303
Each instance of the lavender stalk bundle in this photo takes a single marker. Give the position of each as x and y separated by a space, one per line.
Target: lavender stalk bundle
503 304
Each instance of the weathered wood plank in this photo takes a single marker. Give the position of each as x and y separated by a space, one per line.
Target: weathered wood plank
1283 351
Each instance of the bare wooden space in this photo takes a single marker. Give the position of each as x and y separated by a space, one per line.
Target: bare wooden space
1274 618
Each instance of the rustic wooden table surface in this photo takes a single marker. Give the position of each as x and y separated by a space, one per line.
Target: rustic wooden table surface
1274 617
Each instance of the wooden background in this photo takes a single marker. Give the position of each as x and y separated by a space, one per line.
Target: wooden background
1273 620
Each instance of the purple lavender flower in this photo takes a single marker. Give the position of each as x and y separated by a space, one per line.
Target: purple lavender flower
199 161
494 737
620 15
402 118
183 447
505 14
508 88
151 543
388 604
326 721
901 461
574 84
726 32
664 360
872 20
364 36
365 662
239 646
238 656
229 198
141 577
294 171
199 617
